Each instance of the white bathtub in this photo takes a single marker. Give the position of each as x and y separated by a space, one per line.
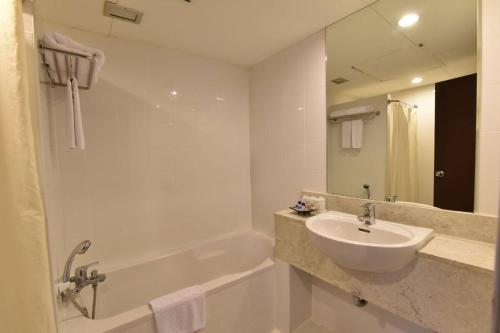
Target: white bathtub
236 272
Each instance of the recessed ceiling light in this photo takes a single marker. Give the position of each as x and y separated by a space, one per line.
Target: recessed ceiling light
408 20
416 80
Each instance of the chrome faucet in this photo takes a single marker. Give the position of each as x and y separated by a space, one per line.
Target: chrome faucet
368 216
366 189
79 249
81 278
391 198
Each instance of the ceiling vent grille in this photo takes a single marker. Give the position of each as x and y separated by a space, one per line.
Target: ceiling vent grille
340 80
114 10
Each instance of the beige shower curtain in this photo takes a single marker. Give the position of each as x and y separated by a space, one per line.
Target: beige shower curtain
401 178
25 293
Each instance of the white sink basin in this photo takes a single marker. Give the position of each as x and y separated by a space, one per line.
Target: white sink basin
381 247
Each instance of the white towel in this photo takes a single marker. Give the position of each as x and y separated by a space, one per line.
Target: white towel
346 134
58 41
74 124
357 133
54 40
182 311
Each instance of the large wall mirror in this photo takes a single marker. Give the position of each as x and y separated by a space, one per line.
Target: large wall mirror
401 103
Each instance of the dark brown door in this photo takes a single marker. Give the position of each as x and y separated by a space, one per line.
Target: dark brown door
455 146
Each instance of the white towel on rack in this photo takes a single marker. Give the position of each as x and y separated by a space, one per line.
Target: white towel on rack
357 133
347 134
74 124
182 311
58 41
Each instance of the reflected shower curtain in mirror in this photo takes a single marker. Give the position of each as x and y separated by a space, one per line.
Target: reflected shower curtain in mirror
401 177
25 288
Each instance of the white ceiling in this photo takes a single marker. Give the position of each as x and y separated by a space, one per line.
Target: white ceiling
243 32
389 56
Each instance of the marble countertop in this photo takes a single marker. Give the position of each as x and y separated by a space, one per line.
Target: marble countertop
461 251
455 250
291 215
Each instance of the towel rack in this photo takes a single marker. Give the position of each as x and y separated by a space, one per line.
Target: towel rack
61 72
368 115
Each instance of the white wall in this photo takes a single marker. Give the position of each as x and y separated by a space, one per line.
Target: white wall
159 170
424 98
349 169
488 153
287 126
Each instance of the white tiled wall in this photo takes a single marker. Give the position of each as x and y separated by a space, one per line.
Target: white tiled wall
160 170
488 166
287 126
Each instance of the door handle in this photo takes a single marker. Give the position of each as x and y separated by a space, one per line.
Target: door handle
439 174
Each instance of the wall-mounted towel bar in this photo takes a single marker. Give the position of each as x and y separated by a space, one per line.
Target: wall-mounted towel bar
61 65
365 115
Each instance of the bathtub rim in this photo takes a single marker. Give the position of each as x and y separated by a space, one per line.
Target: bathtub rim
169 252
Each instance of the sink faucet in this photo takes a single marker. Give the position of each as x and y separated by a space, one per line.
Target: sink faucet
368 216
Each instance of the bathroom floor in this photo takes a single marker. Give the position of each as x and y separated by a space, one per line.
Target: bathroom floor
310 327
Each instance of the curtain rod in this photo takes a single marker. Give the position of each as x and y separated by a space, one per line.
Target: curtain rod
389 101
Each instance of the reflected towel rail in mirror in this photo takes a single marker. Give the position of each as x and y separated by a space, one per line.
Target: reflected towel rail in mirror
366 115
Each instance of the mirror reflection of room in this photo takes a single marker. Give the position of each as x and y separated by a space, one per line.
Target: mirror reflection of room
401 99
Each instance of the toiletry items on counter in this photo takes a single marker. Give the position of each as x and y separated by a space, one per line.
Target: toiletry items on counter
308 205
303 208
318 203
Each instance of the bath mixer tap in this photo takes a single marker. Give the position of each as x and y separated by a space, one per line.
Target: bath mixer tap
79 249
80 279
368 216
391 198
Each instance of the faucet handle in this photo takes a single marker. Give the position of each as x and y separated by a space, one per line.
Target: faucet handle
81 271
368 209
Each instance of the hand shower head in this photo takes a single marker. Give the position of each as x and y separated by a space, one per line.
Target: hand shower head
81 248
84 246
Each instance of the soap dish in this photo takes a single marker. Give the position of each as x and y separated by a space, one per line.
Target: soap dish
303 212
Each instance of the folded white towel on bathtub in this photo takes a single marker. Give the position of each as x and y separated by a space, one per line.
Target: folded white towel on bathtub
182 311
